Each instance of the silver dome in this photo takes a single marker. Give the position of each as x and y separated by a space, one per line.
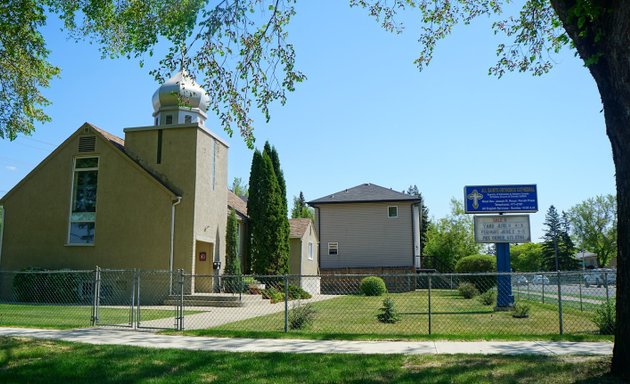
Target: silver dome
191 95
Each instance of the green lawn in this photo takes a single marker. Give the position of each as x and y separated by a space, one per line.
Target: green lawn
70 316
44 361
453 317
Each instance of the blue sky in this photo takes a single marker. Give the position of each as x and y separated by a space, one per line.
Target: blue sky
366 114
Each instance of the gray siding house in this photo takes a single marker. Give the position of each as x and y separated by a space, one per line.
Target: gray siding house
367 229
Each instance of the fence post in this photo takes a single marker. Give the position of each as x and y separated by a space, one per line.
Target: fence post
181 300
580 282
97 299
606 285
543 289
137 323
559 302
133 298
286 303
429 299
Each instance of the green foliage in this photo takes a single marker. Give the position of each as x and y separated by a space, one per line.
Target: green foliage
451 238
520 310
46 286
526 257
273 294
605 317
557 239
594 225
424 217
295 292
276 292
24 67
389 314
239 188
478 264
225 44
232 283
372 286
489 297
301 316
269 224
467 290
300 209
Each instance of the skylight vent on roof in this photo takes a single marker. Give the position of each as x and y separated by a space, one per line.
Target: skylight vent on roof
87 143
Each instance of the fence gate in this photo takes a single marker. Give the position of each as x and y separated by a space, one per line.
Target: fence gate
138 299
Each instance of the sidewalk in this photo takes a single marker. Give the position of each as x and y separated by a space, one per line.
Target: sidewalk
152 340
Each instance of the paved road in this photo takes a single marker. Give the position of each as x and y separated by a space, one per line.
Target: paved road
100 336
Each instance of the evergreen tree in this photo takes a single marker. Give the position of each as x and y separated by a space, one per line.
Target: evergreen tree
275 160
557 240
268 217
300 209
424 216
232 262
253 207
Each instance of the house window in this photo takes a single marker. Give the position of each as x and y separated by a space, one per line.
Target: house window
187 119
310 250
333 248
169 119
83 209
392 211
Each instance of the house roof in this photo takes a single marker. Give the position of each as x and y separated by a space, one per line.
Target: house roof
365 193
298 227
237 203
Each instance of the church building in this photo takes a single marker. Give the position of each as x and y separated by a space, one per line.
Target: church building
155 200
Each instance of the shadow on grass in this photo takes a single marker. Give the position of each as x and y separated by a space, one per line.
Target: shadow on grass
41 361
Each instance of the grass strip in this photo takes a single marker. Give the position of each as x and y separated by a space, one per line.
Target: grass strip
44 361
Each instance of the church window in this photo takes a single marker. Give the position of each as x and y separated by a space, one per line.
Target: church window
83 209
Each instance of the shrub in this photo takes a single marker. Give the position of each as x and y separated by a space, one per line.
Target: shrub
604 318
46 286
295 292
388 314
488 297
467 290
520 310
478 264
301 316
273 294
372 286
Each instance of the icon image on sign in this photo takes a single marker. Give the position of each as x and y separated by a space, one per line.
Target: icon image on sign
475 197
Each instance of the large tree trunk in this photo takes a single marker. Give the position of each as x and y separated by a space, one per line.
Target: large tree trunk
607 38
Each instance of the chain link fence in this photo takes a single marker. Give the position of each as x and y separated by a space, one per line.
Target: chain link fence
402 305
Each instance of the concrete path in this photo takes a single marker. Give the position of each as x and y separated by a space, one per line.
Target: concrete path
148 339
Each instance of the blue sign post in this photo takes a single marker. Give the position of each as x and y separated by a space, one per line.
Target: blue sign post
502 199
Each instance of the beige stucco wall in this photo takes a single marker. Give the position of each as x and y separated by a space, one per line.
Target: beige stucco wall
132 218
210 217
187 162
367 237
299 263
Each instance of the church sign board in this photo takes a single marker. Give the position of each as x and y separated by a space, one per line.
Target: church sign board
502 229
501 198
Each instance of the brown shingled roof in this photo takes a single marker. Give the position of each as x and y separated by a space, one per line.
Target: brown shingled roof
298 227
238 204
